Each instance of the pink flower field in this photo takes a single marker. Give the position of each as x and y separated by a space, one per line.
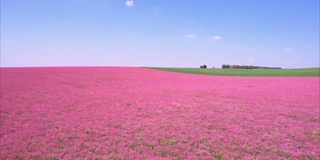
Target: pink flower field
138 113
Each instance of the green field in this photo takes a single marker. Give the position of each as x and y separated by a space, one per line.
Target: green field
245 72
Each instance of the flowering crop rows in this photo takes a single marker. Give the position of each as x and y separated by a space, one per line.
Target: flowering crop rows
138 113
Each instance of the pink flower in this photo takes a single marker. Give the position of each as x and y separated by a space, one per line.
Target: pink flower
137 113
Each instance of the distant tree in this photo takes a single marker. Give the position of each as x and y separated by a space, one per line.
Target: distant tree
226 66
203 66
212 66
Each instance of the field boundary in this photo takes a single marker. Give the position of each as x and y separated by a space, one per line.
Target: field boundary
301 72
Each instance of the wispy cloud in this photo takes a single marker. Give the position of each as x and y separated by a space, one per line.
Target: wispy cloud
216 38
288 49
190 36
155 8
129 3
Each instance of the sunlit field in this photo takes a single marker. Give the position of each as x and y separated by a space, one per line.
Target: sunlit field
300 72
141 113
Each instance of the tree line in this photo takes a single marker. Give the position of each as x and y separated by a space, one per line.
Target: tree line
227 66
247 67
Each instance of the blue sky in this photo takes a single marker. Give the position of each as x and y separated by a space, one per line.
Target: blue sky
166 33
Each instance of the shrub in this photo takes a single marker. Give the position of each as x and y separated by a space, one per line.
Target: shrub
203 66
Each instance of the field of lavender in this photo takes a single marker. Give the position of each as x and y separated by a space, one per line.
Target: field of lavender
139 113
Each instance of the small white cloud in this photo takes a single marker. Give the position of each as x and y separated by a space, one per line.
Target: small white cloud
155 8
288 49
129 3
216 38
190 36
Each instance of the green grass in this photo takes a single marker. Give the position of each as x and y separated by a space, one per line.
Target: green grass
314 72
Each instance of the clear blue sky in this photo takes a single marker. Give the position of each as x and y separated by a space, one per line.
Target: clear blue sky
170 33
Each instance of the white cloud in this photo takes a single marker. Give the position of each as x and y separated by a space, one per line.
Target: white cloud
190 36
288 49
129 3
216 38
155 8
